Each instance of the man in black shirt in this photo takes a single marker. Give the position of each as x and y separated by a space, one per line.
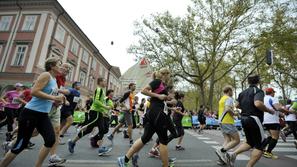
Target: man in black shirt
250 101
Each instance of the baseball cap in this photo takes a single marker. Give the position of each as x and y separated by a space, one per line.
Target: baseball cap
18 85
270 90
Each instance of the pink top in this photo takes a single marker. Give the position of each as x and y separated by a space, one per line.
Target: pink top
12 99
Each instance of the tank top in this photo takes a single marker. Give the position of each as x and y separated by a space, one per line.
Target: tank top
227 118
44 105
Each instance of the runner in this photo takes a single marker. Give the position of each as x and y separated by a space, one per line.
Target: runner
155 119
73 97
127 105
271 122
140 111
171 104
178 114
11 108
201 119
97 140
35 114
250 101
97 110
226 120
290 121
55 116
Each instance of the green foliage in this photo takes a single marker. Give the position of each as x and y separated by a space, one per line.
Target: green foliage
215 41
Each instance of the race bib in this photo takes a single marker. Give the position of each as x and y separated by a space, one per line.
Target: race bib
15 100
76 99
54 92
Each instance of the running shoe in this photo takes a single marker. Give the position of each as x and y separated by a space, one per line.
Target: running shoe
135 160
154 153
221 162
171 159
104 150
93 143
283 136
121 162
230 159
270 155
30 145
179 148
221 155
56 160
71 146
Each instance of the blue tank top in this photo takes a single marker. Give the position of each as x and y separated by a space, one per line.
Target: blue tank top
44 105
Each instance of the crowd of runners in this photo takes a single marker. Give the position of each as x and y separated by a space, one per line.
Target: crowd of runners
47 107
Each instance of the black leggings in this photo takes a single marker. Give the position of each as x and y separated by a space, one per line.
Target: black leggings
28 121
95 119
10 115
293 128
172 130
104 130
156 121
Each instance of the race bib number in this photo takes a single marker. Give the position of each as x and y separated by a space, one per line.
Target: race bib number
54 92
76 99
15 100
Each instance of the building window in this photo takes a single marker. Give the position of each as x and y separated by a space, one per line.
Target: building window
29 23
94 64
5 23
82 78
19 56
85 56
60 34
91 83
71 73
74 47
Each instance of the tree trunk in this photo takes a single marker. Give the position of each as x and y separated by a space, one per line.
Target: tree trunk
211 90
202 91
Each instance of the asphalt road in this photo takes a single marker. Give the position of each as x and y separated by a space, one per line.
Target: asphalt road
199 152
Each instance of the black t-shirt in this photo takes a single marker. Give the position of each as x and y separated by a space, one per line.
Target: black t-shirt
246 101
201 112
178 117
158 87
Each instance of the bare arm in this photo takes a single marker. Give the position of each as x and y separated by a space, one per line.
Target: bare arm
279 107
229 109
260 105
64 91
41 82
147 91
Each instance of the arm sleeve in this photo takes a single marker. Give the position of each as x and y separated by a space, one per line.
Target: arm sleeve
259 96
126 95
229 102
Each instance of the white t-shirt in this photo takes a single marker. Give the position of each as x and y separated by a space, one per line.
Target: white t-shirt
290 117
271 118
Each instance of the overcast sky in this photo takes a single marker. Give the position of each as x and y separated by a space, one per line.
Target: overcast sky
104 21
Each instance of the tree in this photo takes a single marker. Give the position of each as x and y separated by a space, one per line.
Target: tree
203 46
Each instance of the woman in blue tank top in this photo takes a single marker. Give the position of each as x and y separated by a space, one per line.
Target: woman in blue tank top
35 114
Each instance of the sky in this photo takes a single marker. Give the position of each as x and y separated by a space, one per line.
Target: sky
104 21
